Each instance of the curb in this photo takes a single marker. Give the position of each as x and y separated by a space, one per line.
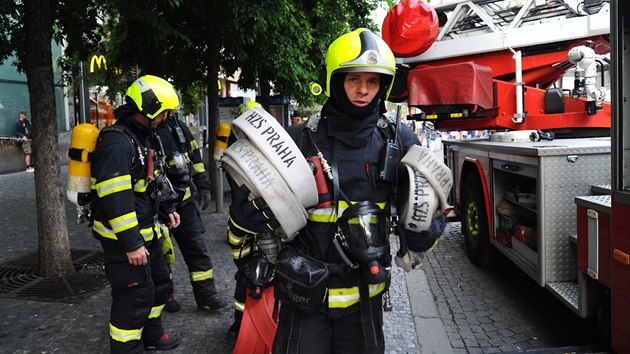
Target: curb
430 329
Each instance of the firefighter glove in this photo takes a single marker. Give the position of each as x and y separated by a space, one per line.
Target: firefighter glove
425 241
252 216
203 198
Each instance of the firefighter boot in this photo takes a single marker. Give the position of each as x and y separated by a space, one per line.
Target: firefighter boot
214 303
232 333
165 342
171 305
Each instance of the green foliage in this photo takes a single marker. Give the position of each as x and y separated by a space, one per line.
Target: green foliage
283 41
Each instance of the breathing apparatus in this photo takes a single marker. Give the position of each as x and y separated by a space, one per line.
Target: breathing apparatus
362 240
82 144
258 273
363 229
163 190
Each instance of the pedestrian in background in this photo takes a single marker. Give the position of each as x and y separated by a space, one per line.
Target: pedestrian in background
130 197
296 118
341 311
24 132
187 173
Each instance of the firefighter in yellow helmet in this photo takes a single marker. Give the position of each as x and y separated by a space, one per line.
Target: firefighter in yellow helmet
331 277
129 196
249 104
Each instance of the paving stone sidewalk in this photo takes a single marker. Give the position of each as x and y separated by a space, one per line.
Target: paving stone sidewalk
47 327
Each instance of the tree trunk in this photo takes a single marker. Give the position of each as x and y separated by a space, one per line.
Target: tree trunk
265 90
212 59
54 245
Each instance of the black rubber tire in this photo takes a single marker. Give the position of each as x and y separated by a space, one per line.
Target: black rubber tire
475 226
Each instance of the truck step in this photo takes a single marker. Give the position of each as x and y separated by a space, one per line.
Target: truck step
567 292
602 189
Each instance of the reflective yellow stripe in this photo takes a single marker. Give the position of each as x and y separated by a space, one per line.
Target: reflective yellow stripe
240 253
188 194
199 168
193 145
140 186
346 297
149 232
327 215
113 185
200 276
123 222
239 306
235 240
156 311
100 229
124 335
324 215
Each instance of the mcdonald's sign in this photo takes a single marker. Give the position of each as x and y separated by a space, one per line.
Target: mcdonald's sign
98 60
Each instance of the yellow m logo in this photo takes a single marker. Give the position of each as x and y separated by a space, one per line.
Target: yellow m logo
98 59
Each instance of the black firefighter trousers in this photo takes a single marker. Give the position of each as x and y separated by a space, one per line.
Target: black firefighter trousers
189 237
138 296
316 333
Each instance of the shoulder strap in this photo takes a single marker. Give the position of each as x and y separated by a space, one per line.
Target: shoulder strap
131 137
180 134
387 127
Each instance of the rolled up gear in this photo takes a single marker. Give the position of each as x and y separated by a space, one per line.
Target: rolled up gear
248 165
271 139
429 181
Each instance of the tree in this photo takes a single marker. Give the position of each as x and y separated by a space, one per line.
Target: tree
54 246
27 30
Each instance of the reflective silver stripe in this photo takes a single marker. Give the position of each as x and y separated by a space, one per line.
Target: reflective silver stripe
124 335
140 186
148 233
100 229
113 185
156 311
203 275
235 240
199 168
124 222
346 297
239 306
239 253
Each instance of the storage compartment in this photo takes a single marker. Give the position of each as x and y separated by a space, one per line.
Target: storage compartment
515 207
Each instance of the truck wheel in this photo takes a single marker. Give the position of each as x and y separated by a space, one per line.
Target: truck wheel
475 223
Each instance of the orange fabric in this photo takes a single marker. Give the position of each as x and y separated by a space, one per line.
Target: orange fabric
259 324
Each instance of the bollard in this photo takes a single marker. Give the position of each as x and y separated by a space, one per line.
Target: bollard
219 189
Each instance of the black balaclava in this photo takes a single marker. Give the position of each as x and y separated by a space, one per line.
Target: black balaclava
347 122
126 112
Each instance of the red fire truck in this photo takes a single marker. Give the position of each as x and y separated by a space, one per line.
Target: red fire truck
549 188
